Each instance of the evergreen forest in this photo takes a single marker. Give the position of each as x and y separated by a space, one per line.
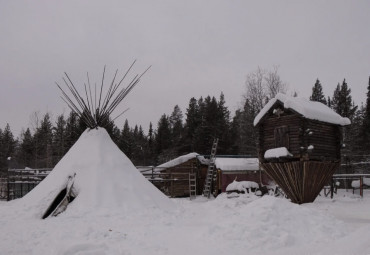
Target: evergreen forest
183 131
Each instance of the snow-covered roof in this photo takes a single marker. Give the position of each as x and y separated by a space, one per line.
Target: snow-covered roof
277 153
177 161
308 109
237 164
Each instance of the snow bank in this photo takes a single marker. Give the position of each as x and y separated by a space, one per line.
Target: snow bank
176 161
277 153
237 164
243 225
356 184
105 178
308 109
241 186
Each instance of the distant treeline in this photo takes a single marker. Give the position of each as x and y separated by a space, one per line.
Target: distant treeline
176 134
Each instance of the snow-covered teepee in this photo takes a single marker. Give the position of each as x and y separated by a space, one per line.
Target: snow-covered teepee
95 173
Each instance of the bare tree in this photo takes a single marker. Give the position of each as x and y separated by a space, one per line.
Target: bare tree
273 83
255 94
35 120
262 85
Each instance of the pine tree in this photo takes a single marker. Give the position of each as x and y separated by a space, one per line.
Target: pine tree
342 101
73 131
26 151
125 140
59 139
193 120
317 94
223 126
335 99
176 126
7 148
366 121
163 138
43 143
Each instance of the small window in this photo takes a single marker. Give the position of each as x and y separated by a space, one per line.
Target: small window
282 137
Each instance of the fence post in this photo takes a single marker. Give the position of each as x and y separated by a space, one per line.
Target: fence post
361 186
332 188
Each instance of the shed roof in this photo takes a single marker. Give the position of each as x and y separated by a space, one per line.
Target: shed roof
179 160
237 164
308 109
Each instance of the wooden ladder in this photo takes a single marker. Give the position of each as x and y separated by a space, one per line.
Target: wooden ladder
211 173
192 185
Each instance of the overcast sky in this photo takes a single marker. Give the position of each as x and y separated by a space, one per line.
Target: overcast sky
196 48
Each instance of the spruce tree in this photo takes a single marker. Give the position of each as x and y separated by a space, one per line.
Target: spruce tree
26 150
317 94
125 140
7 148
163 138
59 138
366 121
176 126
193 120
223 126
43 143
73 130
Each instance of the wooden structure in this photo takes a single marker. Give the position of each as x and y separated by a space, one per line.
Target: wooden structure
240 169
21 181
299 145
176 177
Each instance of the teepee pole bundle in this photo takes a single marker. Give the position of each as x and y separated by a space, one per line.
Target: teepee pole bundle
97 112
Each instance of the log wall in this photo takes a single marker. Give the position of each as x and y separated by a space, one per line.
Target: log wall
267 133
326 139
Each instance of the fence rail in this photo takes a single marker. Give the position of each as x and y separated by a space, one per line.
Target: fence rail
21 181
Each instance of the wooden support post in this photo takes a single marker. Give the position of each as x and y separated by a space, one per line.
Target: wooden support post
361 186
331 188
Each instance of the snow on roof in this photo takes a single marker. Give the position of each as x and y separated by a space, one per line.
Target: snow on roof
237 164
308 109
277 153
177 161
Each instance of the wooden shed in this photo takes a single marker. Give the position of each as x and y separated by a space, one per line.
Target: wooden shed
240 169
299 145
175 175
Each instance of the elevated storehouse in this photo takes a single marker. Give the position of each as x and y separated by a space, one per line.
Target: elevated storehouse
299 145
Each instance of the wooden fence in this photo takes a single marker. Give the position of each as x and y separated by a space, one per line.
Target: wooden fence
21 181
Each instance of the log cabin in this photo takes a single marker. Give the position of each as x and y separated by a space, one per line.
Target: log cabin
240 169
299 145
174 174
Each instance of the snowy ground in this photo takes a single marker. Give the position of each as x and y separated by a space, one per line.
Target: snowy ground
243 225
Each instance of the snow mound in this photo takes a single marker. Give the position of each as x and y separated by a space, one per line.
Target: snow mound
356 183
308 109
271 223
241 186
104 178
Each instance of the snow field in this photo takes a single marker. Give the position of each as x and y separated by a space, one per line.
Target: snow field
242 225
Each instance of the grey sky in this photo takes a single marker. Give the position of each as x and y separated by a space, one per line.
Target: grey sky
197 48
